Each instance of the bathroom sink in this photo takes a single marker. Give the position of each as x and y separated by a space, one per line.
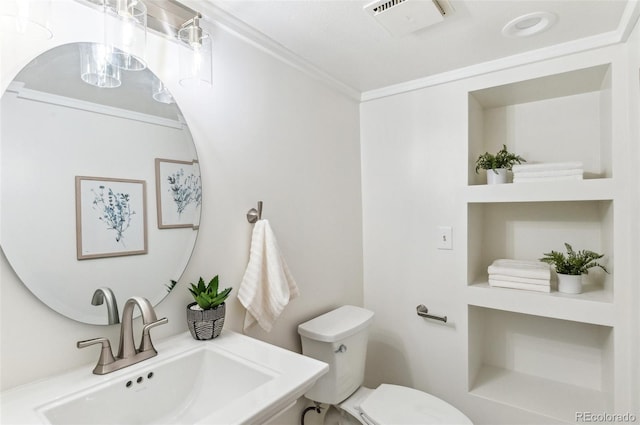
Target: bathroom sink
233 379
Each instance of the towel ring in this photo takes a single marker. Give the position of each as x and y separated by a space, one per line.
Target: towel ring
255 214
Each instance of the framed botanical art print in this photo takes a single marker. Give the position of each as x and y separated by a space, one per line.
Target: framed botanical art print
111 217
178 193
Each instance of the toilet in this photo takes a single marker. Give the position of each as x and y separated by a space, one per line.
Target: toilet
339 338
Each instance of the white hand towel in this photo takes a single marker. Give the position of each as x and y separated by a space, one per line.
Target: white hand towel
547 166
518 285
519 279
267 285
517 179
521 268
548 173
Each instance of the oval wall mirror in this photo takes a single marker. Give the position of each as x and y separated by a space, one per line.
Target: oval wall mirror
100 187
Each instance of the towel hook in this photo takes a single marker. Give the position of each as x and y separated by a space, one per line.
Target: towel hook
254 215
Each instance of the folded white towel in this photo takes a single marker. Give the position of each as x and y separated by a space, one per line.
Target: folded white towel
517 179
518 285
520 268
547 166
520 279
267 285
548 173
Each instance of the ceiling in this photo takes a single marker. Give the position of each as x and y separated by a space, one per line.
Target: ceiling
347 44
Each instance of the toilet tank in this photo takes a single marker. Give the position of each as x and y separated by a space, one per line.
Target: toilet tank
338 338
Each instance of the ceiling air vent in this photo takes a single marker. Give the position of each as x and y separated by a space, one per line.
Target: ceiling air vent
401 17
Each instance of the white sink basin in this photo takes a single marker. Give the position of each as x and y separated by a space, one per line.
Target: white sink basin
232 379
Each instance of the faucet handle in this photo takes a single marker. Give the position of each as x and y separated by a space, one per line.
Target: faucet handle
106 356
146 344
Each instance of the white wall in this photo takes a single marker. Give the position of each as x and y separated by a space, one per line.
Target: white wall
264 132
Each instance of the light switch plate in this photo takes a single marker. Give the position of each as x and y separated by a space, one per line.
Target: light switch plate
445 237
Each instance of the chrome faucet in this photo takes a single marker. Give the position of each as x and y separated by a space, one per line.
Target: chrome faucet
105 295
127 352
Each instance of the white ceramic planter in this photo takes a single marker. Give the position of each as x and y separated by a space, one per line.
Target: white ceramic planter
497 178
569 284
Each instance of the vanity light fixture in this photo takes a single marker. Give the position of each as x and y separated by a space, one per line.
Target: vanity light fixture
95 68
195 56
125 33
529 24
161 93
26 18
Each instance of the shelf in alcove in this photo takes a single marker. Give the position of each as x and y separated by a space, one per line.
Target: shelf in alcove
592 306
579 190
538 395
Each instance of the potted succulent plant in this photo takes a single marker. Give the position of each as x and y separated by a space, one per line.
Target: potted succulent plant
205 316
572 266
497 165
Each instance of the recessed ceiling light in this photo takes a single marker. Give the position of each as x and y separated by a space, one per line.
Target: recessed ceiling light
529 24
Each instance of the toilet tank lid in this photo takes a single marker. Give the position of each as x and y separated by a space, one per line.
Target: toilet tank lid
336 324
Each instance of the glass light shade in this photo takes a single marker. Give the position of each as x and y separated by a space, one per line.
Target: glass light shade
161 93
195 57
26 18
125 32
95 69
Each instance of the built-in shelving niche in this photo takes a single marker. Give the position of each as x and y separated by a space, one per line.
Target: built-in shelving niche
548 353
556 118
551 367
525 231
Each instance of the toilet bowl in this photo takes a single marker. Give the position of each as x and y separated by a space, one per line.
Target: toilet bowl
340 338
394 405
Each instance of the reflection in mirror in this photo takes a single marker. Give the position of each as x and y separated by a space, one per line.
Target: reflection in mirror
56 127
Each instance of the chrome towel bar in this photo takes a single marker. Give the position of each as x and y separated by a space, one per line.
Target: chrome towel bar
424 312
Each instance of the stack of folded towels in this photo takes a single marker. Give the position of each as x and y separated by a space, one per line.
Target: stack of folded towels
520 274
547 171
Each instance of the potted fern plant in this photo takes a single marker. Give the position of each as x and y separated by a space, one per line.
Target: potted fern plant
572 266
205 316
497 165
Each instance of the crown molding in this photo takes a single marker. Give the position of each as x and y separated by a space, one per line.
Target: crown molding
513 61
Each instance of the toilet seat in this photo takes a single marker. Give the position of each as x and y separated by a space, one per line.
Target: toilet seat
394 404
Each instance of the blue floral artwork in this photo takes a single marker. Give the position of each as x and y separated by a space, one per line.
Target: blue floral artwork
185 189
178 192
114 209
110 212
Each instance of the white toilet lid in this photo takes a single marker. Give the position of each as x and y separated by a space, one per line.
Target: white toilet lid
393 404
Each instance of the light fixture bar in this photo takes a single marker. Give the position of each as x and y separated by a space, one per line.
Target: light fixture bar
163 16
168 16
177 22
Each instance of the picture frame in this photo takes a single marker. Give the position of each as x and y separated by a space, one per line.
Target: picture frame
178 193
111 217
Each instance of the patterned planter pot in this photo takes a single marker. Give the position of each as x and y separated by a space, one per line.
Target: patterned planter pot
205 324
